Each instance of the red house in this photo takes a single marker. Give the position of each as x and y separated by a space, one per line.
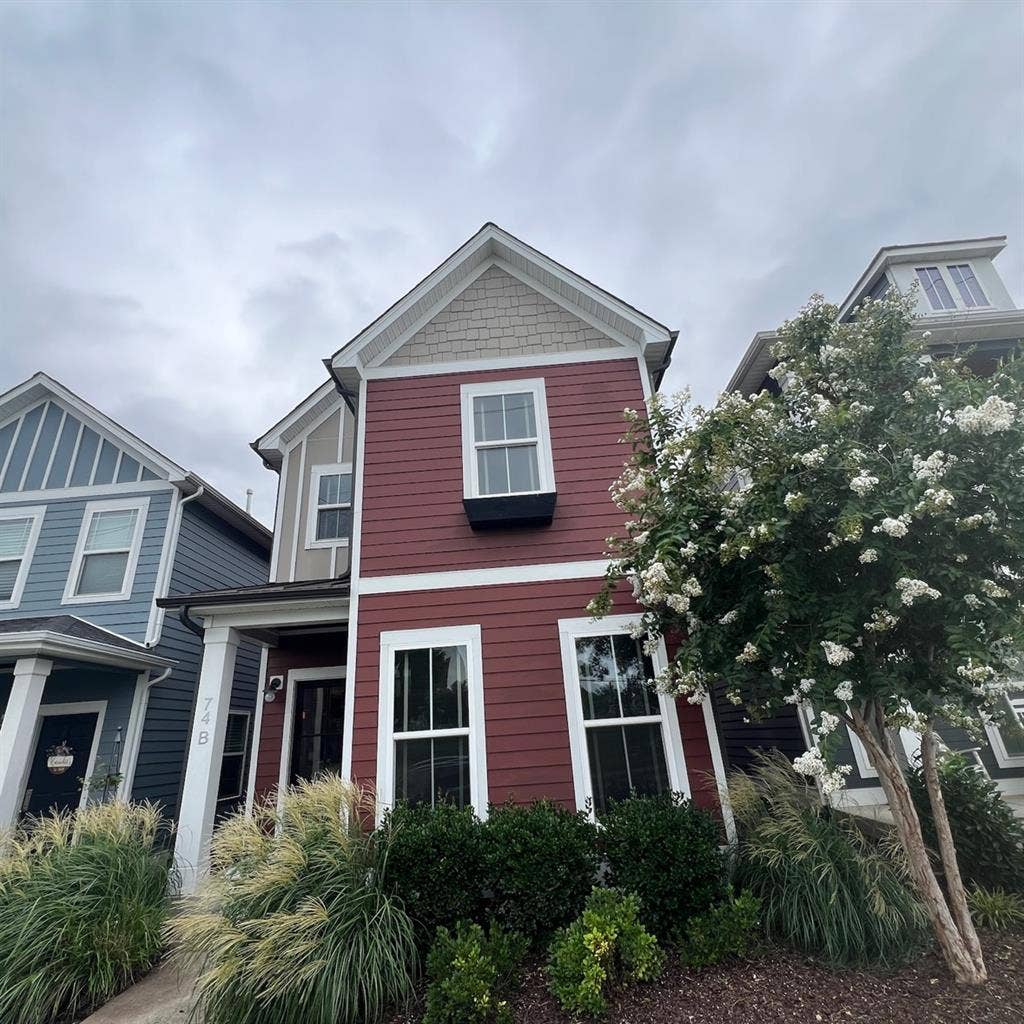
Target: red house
442 512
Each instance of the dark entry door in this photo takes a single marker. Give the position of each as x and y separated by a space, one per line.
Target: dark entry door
319 728
46 790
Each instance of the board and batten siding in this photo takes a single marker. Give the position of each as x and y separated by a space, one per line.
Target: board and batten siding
525 715
210 555
51 564
413 518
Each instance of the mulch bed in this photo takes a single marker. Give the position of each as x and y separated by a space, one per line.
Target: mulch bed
782 987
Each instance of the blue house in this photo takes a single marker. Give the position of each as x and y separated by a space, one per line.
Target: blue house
97 684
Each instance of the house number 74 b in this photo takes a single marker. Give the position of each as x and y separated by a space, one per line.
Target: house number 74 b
204 736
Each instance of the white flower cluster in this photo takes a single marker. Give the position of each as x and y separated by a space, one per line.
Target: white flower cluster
868 555
992 589
826 723
803 688
973 601
860 409
975 673
688 551
863 483
882 620
728 617
989 519
934 468
794 501
935 500
836 654
681 602
748 655
844 691
893 527
831 781
815 457
653 583
910 590
992 416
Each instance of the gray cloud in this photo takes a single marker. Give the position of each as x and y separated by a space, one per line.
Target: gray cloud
199 202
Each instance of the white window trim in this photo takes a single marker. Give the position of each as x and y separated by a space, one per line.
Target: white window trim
414 639
569 630
995 738
141 505
243 753
545 464
84 707
36 513
314 506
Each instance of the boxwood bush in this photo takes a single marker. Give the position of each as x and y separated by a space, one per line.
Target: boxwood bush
436 865
666 850
540 863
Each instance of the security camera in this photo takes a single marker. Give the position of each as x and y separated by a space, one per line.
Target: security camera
274 685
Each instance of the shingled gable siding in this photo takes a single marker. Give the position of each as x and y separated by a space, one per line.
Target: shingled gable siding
524 693
413 518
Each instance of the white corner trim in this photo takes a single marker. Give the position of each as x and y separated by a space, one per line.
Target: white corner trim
313 499
391 641
864 766
545 463
84 707
257 728
718 762
675 761
546 572
36 513
141 505
168 551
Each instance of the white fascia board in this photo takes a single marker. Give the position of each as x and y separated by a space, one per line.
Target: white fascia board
268 615
47 644
274 438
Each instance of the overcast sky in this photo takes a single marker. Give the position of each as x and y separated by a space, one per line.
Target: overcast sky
200 201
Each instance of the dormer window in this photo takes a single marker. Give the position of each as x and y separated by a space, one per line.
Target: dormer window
967 285
935 288
506 453
879 289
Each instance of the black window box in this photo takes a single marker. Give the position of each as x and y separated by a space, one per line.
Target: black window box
504 510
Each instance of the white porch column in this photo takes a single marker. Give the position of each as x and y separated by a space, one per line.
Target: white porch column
205 751
18 733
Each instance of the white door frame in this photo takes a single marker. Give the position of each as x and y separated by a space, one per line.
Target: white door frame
83 707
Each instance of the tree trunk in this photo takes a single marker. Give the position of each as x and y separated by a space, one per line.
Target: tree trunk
947 851
880 749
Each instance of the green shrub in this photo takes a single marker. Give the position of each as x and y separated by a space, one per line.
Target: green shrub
83 899
666 850
470 972
988 837
296 922
824 888
997 909
435 865
729 930
540 864
605 948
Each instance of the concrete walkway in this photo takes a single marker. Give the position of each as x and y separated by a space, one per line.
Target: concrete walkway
164 996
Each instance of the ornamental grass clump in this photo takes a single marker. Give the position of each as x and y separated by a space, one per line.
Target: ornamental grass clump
83 900
824 888
295 922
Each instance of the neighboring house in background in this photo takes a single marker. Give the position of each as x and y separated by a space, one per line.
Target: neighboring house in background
441 520
964 303
96 683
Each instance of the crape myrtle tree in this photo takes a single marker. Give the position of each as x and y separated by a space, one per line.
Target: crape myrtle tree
852 544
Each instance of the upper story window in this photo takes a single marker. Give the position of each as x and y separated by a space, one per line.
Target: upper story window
107 552
879 289
330 506
1007 739
431 730
19 531
506 445
935 288
967 285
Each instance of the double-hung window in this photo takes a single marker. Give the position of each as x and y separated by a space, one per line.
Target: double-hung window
624 736
232 764
19 531
506 444
967 285
431 731
107 552
330 506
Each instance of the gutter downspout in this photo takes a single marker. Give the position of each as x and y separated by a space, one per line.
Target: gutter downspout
348 396
137 720
153 639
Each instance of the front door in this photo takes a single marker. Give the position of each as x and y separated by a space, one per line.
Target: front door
47 788
319 728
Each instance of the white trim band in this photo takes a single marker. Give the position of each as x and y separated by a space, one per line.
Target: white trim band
547 572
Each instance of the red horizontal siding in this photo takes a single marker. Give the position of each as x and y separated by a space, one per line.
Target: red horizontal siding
413 519
526 726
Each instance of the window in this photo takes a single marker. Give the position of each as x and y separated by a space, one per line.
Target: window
935 288
19 531
879 289
624 736
330 506
968 285
232 765
103 567
431 742
506 446
1006 738
319 730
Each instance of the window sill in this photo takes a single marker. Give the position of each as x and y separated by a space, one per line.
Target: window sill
505 510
